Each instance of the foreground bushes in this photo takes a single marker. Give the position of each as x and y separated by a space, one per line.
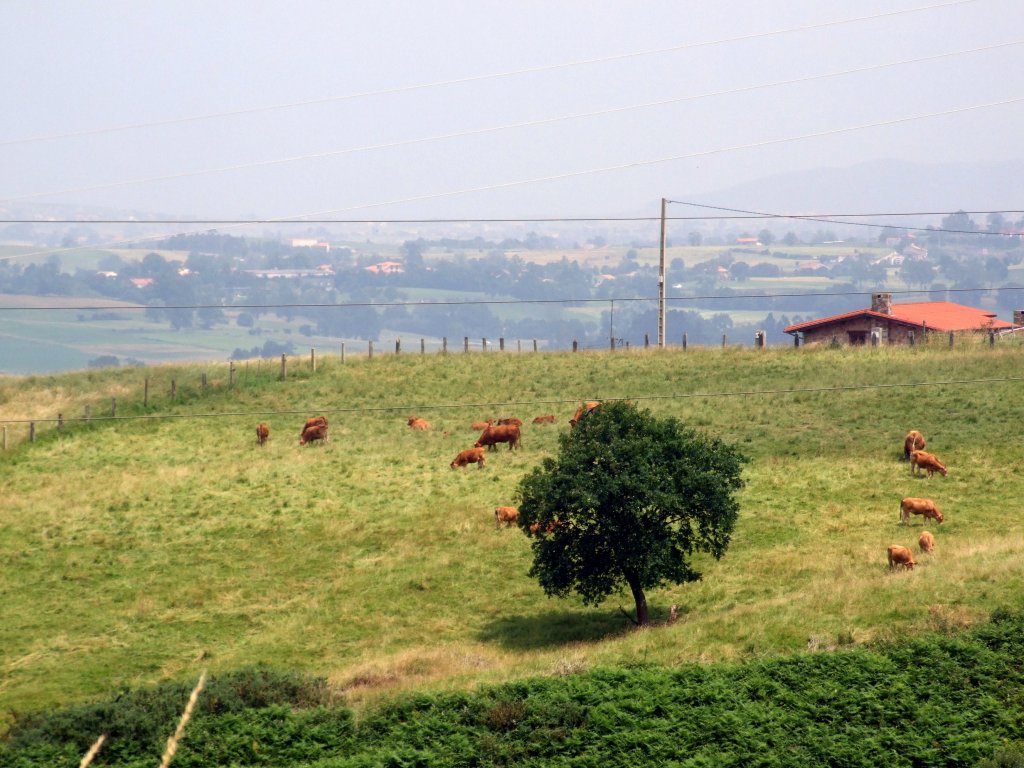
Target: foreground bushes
935 701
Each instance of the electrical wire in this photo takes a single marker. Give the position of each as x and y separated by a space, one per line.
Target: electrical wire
484 77
499 302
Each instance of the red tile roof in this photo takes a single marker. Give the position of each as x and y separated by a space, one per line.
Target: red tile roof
936 315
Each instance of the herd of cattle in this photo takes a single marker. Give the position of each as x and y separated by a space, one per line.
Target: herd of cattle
508 430
913 451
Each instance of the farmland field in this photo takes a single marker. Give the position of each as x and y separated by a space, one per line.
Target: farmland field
143 549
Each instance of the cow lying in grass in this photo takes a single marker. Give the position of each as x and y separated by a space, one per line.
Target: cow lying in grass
415 422
926 542
926 461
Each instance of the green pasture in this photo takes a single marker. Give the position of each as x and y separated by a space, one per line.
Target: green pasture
140 550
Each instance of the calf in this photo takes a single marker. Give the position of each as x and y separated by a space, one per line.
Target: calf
551 527
924 507
926 461
262 433
510 420
900 556
914 441
478 425
506 515
926 542
505 433
469 456
415 422
547 419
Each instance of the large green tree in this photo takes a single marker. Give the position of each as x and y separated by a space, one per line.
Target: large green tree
627 501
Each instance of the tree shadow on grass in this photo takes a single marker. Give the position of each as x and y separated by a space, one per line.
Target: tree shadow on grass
550 629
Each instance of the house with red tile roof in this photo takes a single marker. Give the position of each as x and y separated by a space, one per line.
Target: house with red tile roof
895 323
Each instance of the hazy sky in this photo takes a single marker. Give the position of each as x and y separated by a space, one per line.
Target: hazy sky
488 109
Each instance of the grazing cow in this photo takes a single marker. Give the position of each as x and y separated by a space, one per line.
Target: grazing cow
926 542
506 515
415 422
900 556
478 425
926 461
914 441
510 420
548 419
469 456
313 432
262 433
505 433
924 507
582 411
315 421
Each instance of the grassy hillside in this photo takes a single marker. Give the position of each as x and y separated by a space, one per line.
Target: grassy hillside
145 549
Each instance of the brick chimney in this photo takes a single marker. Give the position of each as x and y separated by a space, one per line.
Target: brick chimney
1018 317
881 303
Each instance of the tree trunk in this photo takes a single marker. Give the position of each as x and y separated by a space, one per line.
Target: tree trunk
640 599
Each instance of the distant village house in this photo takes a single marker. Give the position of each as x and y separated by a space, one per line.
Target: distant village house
895 323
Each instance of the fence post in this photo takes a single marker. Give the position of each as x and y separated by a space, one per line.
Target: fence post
88 412
145 393
724 340
796 339
343 351
369 349
684 342
575 346
312 359
423 346
910 338
950 339
483 344
991 337
501 343
231 373
113 407
398 346
5 437
647 341
31 431
204 382
534 345
60 421
465 343
444 345
519 345
284 367
174 389
611 343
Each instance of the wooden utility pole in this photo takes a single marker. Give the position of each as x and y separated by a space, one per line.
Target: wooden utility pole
661 280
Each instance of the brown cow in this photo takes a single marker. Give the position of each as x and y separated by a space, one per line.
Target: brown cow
313 432
316 420
510 420
926 461
506 515
582 411
547 419
914 441
469 456
478 425
925 507
926 542
262 433
505 433
415 422
900 556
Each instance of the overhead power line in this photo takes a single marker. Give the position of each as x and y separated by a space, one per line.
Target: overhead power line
479 302
483 77
520 403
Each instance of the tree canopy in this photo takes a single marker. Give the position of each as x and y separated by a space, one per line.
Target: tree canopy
627 501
